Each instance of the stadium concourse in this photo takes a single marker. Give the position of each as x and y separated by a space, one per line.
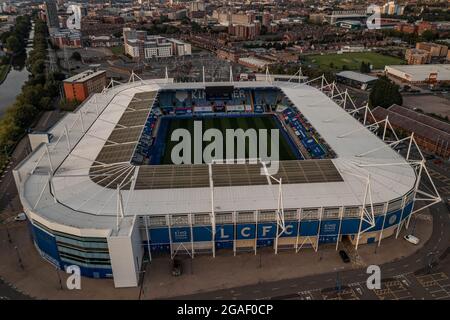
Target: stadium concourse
98 196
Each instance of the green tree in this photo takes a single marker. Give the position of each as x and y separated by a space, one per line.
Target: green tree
13 44
365 67
362 68
384 94
76 56
429 35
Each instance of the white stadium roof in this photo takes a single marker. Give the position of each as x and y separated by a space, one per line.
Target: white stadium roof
72 200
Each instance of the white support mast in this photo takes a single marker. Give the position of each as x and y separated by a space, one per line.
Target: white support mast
281 226
119 213
231 74
203 74
213 216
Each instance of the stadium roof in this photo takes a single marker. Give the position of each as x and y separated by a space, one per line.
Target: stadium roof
360 77
71 199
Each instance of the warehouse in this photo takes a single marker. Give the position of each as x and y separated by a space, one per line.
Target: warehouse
423 73
356 79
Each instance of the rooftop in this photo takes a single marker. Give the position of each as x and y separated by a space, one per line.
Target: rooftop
76 201
421 72
422 125
364 78
84 76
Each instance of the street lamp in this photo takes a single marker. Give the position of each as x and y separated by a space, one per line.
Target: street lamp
338 282
19 258
430 257
414 225
59 277
8 234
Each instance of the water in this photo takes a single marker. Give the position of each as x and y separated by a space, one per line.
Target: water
16 78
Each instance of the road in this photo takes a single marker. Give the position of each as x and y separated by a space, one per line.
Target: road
405 275
9 199
407 278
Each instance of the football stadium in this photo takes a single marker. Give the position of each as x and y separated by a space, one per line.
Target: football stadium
101 190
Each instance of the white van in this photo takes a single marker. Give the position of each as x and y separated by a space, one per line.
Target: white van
21 217
411 239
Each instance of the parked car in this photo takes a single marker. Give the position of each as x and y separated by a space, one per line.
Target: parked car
412 239
20 217
344 256
177 268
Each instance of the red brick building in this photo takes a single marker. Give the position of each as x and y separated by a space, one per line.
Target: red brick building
80 86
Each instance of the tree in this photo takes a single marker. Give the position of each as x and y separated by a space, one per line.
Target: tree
13 44
38 67
428 35
76 56
365 67
385 93
195 27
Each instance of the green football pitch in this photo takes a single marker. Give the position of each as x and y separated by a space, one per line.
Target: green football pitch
222 123
353 60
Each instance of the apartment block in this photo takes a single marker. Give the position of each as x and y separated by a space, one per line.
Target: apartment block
417 56
140 46
435 50
79 87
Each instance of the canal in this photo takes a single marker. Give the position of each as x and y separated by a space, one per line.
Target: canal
16 78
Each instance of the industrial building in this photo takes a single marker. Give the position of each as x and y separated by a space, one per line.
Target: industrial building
356 79
426 73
